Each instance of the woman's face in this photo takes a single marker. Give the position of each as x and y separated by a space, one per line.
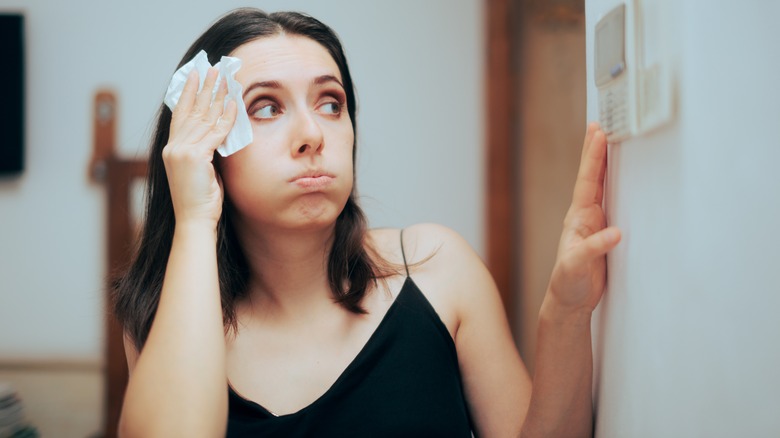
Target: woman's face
297 173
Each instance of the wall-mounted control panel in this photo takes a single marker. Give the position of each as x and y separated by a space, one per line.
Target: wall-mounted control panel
633 99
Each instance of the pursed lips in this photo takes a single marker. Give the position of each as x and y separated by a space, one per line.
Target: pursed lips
313 180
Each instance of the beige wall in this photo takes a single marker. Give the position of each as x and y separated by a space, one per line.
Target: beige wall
687 336
550 82
61 400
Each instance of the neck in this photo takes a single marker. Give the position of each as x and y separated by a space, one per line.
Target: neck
288 270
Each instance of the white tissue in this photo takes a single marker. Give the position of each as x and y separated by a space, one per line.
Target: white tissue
241 134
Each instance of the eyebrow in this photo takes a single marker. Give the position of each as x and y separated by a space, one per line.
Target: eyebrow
319 80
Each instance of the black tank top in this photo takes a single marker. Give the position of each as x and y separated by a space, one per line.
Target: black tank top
405 382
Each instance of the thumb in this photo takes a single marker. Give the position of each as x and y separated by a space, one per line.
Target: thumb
597 244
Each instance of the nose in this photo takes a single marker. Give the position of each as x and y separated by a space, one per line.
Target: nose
308 139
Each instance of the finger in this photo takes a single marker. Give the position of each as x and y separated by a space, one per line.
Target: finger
186 99
593 158
600 181
591 129
596 245
588 188
188 93
216 136
205 138
598 197
203 101
219 102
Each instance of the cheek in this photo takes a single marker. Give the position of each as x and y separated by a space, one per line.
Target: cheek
246 173
269 138
345 141
347 165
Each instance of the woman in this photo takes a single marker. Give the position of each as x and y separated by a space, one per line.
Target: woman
259 304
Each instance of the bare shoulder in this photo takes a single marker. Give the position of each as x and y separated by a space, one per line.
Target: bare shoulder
386 242
442 244
444 266
457 284
427 247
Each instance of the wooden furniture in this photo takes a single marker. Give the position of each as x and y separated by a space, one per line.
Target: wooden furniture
117 175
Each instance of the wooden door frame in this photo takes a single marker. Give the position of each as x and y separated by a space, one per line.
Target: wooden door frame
503 191
501 256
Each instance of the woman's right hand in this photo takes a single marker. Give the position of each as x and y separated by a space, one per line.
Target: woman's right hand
198 127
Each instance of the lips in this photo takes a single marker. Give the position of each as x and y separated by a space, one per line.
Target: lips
313 180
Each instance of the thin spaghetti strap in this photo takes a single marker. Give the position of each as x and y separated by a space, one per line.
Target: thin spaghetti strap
403 254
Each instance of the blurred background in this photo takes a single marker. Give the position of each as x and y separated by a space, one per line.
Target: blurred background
471 114
419 68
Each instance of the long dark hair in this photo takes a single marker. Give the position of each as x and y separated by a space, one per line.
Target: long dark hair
350 267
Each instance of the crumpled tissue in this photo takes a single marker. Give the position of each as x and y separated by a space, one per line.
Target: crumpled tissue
241 134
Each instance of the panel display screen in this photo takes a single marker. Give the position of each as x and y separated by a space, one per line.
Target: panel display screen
610 46
11 94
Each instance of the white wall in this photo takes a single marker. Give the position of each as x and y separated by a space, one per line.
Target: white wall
687 339
418 68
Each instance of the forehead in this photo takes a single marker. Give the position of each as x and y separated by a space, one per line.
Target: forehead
283 58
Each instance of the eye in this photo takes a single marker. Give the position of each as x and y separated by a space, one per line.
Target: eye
333 108
265 111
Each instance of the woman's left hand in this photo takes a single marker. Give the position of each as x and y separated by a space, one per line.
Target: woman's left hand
579 274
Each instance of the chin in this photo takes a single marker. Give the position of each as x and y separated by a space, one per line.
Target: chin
308 213
314 215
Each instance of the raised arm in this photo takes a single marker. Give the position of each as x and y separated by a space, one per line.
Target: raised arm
561 401
503 400
178 383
